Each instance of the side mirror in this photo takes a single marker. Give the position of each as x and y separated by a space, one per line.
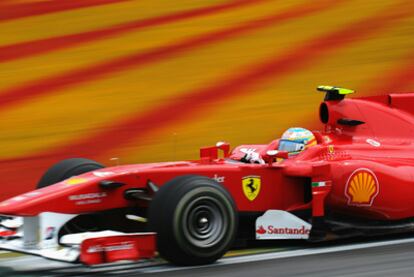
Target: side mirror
225 147
271 155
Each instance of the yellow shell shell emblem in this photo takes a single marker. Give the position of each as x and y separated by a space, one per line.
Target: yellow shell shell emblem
362 188
251 186
75 181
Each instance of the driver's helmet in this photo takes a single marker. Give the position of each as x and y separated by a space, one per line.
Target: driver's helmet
295 140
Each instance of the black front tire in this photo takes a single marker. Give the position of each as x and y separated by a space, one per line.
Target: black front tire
66 169
195 220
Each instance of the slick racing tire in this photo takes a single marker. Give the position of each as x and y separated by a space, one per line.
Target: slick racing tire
195 220
66 169
62 171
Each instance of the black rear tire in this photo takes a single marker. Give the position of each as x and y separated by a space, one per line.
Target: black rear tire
195 220
66 169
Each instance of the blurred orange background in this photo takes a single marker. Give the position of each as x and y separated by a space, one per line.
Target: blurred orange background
155 80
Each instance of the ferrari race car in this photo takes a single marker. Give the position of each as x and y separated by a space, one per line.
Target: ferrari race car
357 179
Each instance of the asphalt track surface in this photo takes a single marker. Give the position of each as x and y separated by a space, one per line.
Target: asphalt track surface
391 256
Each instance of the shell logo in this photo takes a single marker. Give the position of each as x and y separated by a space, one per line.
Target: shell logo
362 188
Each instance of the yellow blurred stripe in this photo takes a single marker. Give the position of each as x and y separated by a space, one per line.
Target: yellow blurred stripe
169 79
81 20
64 117
275 106
54 63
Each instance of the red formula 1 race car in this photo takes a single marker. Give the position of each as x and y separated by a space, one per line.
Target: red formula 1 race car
356 177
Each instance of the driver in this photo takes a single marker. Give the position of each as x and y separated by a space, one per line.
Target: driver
294 141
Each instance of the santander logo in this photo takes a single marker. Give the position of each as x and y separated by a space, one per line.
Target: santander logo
278 224
271 230
261 230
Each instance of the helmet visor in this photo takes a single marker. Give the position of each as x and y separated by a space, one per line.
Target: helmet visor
291 146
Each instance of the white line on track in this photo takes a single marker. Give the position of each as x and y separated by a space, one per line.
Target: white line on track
281 255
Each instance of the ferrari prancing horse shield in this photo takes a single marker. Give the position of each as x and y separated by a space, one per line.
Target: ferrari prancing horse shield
251 186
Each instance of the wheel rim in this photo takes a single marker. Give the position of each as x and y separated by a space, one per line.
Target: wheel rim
204 222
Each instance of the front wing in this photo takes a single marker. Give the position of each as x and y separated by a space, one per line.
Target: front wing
39 236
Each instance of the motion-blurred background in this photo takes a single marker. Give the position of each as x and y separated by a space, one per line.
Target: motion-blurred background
153 80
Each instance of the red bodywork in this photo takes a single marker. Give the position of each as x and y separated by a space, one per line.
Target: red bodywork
365 152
